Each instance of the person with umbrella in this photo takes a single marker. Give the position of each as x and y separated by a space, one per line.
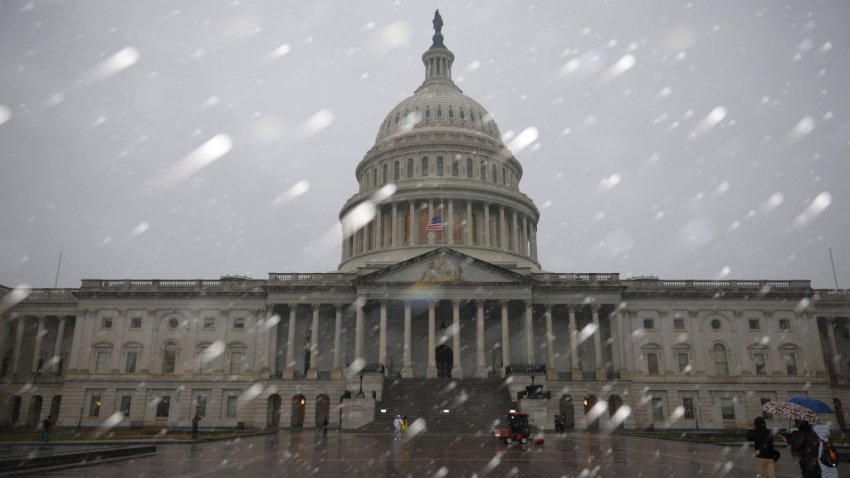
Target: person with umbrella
802 440
766 455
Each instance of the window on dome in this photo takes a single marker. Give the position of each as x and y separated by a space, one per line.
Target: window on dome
451 113
409 168
494 171
503 176
455 167
471 116
462 116
483 173
424 166
384 174
396 170
428 112
439 112
439 165
396 118
468 167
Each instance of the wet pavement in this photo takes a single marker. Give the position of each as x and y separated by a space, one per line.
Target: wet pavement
307 453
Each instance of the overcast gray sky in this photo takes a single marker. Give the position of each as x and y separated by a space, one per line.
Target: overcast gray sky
193 139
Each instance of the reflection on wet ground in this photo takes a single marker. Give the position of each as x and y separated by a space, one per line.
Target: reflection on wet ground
307 453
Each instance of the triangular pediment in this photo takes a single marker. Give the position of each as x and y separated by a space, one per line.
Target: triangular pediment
444 265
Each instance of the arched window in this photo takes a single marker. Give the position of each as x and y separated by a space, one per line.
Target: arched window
169 357
469 167
427 112
204 358
424 166
384 174
462 116
721 366
471 116
483 171
455 167
439 111
451 113
396 171
439 165
409 168
493 171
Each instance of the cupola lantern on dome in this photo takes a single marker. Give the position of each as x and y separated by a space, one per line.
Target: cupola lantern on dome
439 175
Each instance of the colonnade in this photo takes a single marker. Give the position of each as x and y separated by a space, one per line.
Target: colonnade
12 351
465 222
481 369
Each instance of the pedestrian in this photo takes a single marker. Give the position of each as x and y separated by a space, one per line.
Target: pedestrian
46 425
397 427
822 431
325 426
805 443
766 454
195 422
404 426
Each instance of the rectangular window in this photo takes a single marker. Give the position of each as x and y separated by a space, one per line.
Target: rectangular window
760 363
396 171
201 406
765 415
688 405
648 324
136 323
409 168
469 168
423 169
784 324
100 361
455 167
727 408
106 323
236 362
684 362
790 363
231 406
754 324
163 406
482 174
130 365
439 165
679 324
94 405
657 409
652 363
126 400
209 323
238 324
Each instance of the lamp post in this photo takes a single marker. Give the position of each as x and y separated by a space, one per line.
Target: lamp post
360 394
80 421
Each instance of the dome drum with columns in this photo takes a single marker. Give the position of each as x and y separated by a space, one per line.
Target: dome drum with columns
443 154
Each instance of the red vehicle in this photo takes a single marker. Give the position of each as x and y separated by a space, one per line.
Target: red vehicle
515 430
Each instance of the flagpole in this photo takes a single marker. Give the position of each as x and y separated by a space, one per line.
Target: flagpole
834 275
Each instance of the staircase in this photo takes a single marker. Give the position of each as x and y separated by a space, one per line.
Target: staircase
475 405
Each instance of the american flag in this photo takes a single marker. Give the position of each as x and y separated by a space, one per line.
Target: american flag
434 224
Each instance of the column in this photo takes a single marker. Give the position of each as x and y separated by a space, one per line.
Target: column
19 339
551 369
480 362
431 372
467 232
382 337
524 236
119 324
529 333
619 339
487 224
506 337
450 223
358 331
379 228
597 344
502 229
835 358
57 345
394 227
414 236
148 348
515 232
4 337
533 241
575 369
270 328
407 369
313 371
336 371
36 353
457 370
289 368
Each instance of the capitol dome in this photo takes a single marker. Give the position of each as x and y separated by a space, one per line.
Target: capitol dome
439 175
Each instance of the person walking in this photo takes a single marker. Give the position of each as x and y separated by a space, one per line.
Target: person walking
766 455
805 443
822 431
46 425
397 427
325 426
195 422
404 426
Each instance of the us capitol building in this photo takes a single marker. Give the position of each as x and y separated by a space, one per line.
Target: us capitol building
439 277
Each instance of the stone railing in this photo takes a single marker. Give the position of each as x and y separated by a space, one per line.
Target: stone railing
577 276
47 295
309 277
754 285
167 284
526 369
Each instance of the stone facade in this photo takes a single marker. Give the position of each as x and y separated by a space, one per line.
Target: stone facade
439 276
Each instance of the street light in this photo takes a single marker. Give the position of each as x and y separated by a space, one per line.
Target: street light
360 394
